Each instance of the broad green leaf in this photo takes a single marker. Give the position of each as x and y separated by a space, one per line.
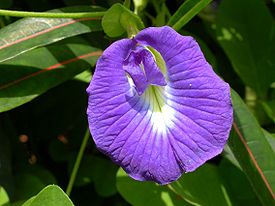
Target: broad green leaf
252 150
236 183
202 187
245 30
119 19
4 198
29 33
33 73
186 12
146 193
50 196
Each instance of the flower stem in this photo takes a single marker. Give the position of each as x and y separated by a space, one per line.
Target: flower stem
77 162
51 15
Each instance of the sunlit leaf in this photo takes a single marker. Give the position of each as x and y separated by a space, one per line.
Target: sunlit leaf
245 30
29 33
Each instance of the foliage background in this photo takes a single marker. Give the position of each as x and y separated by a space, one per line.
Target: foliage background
45 67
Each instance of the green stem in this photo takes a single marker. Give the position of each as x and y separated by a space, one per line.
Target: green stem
74 15
77 162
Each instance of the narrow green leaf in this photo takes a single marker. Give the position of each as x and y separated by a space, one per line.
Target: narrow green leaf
186 12
252 150
202 187
146 193
49 196
29 75
245 30
29 33
119 19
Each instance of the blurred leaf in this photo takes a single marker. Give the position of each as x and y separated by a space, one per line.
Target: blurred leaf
6 133
58 150
270 138
245 30
146 193
186 12
29 33
269 107
4 198
202 187
119 19
139 5
27 185
42 173
31 74
228 154
50 196
100 171
5 4
252 150
238 187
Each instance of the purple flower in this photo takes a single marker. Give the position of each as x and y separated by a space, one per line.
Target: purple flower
156 107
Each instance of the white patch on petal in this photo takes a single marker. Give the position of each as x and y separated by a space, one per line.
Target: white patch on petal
161 121
161 113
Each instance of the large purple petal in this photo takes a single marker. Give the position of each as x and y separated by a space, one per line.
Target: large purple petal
167 130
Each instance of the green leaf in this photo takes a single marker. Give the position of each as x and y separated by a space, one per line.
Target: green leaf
29 33
27 185
28 75
139 5
4 198
228 154
6 154
252 150
5 3
269 108
92 169
50 196
85 76
146 193
245 30
237 185
119 19
202 187
186 12
270 138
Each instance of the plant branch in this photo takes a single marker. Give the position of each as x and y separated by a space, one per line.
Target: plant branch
74 15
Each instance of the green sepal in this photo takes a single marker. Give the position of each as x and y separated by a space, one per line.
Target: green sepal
119 19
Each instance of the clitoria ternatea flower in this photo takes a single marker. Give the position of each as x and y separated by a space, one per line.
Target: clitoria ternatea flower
156 107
